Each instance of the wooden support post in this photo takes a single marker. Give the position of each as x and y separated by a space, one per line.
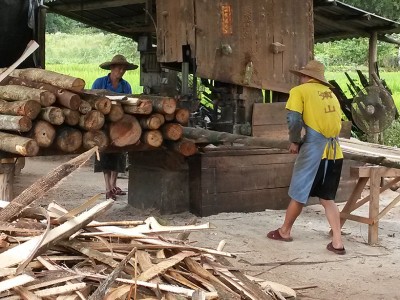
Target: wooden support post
375 180
7 166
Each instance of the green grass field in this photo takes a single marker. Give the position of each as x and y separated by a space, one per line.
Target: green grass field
392 80
89 73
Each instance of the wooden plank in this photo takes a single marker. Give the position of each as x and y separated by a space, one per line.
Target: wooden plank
357 218
269 113
249 201
164 265
21 252
271 131
19 280
365 171
253 177
54 291
355 195
387 208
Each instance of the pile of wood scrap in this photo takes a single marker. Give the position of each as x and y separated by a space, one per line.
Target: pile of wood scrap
44 112
58 254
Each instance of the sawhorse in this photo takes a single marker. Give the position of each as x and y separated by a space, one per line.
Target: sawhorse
374 174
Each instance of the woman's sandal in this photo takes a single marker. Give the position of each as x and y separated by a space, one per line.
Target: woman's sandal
111 195
117 191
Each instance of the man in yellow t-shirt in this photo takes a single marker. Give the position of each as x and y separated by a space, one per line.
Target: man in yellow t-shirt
318 166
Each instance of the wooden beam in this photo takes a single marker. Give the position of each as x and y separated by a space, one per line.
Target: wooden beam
372 55
93 5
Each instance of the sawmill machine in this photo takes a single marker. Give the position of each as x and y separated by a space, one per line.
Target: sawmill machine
219 57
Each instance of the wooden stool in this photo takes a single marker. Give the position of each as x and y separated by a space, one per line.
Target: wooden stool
374 174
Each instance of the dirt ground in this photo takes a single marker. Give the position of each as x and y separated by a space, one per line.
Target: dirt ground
365 272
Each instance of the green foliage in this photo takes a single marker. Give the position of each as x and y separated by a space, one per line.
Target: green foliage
391 136
354 52
386 8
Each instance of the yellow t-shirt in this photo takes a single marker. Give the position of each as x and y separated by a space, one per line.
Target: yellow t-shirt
320 109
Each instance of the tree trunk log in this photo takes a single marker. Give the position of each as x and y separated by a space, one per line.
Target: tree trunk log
172 131
163 105
154 121
24 93
68 139
141 108
18 145
182 116
53 78
183 146
116 113
71 117
95 138
125 132
29 108
100 103
200 135
169 117
63 97
93 120
84 107
43 133
152 138
40 187
15 123
53 115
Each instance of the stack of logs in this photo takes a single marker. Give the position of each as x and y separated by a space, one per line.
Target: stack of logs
44 112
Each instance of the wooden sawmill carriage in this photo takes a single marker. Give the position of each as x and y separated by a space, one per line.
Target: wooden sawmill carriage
241 51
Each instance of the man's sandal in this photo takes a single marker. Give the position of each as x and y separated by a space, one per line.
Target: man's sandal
340 251
117 191
275 235
111 195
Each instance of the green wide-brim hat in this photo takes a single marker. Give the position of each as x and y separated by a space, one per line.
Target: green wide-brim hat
118 60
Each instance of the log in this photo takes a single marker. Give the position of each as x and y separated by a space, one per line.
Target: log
182 116
68 139
172 131
23 93
154 121
183 146
152 138
199 135
29 108
163 105
53 115
100 103
43 133
141 108
71 117
15 123
84 107
18 145
93 120
50 77
63 97
116 113
95 138
169 117
125 132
